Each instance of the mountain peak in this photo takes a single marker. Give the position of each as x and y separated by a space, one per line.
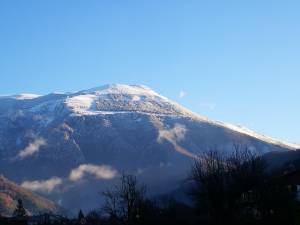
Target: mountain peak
121 98
120 89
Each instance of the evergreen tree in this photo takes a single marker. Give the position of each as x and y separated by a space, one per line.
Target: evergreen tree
20 211
81 218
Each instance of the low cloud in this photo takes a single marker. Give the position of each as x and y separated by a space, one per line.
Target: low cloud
99 172
182 94
32 148
173 135
46 186
177 133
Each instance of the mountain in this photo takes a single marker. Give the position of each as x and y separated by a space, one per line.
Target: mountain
283 160
10 192
62 143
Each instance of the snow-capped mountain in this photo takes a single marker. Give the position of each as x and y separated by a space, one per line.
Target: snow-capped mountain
51 143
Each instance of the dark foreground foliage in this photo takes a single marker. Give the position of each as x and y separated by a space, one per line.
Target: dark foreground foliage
231 189
236 189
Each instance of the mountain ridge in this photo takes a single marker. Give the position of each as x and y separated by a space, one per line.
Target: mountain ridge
60 145
83 102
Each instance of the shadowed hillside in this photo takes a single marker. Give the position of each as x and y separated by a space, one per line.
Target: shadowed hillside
11 192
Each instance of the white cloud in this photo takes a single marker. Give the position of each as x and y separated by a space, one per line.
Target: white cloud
42 185
182 94
100 172
32 148
208 105
177 133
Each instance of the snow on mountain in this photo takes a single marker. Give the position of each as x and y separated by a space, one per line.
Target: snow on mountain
122 99
139 90
85 103
244 130
24 96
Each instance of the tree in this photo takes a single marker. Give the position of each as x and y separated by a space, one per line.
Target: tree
20 215
111 205
125 201
81 219
209 176
93 218
236 189
20 211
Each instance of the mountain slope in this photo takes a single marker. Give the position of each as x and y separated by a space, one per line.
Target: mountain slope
99 133
11 192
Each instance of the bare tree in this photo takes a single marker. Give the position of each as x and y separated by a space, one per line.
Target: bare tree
246 170
237 189
208 173
125 201
111 206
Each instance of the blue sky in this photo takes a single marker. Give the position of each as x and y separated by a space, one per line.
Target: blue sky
235 61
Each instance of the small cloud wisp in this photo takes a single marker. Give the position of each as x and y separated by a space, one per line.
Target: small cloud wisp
174 135
182 94
99 172
46 186
32 148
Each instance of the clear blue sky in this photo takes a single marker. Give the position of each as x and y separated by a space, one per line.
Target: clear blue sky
237 61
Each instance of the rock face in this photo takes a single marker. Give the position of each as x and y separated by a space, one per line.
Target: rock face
54 143
10 193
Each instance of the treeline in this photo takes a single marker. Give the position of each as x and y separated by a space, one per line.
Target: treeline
235 189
